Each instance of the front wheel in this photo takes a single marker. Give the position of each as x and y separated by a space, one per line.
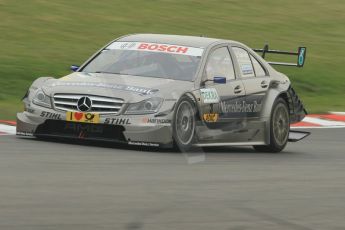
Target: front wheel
279 128
184 124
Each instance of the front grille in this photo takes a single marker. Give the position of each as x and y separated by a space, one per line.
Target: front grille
103 105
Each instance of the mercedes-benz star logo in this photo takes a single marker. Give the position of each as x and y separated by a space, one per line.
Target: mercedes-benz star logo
84 104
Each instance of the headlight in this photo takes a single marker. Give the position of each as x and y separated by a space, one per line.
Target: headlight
41 99
144 107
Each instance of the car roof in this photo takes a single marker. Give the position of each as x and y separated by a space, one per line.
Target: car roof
193 41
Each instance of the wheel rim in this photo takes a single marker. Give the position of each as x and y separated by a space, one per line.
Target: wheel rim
281 124
185 123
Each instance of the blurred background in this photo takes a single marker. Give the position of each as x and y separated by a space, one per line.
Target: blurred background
44 37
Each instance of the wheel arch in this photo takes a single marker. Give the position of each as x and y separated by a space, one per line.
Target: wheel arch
193 98
285 97
272 95
295 107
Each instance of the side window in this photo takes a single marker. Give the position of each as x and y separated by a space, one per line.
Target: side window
244 61
219 64
259 70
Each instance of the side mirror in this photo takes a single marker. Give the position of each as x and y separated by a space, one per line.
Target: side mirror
219 80
74 68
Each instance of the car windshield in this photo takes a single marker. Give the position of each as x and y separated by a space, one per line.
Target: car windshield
147 60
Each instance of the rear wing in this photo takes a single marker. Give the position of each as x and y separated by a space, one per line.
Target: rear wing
301 54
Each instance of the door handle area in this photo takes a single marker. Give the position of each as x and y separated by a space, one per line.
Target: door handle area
264 84
238 89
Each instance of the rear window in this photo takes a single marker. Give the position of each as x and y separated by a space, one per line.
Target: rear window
259 70
244 62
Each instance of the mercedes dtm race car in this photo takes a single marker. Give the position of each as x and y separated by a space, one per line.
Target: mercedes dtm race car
169 90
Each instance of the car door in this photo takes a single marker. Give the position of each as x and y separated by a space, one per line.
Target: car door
221 100
255 79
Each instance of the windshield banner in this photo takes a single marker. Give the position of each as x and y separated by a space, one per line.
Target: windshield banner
155 47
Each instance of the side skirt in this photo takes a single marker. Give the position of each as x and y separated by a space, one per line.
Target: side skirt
230 144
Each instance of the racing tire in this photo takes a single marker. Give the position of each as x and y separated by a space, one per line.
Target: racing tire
184 125
279 128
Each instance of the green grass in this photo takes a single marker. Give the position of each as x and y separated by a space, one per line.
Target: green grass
41 37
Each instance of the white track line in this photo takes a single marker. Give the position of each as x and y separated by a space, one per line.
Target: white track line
323 122
316 127
338 113
8 129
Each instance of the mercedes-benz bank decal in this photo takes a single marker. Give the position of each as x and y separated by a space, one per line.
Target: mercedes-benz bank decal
240 107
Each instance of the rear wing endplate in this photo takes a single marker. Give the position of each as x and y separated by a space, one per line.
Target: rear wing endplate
301 54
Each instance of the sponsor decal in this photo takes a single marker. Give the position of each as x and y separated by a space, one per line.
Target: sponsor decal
163 48
209 95
210 117
240 107
301 56
156 120
117 121
139 143
50 115
247 69
128 45
29 110
156 47
83 128
134 89
83 117
28 134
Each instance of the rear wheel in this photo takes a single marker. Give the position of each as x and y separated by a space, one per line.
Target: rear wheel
184 124
279 128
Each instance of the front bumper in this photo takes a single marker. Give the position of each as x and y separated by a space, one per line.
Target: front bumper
144 130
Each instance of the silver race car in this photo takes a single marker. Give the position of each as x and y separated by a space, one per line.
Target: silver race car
169 90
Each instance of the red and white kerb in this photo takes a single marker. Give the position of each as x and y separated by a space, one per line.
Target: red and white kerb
155 47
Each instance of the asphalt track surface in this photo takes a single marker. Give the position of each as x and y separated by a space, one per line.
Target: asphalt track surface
48 185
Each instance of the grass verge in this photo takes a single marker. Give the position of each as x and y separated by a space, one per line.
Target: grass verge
40 38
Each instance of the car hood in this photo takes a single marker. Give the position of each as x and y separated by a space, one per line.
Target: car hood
129 88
